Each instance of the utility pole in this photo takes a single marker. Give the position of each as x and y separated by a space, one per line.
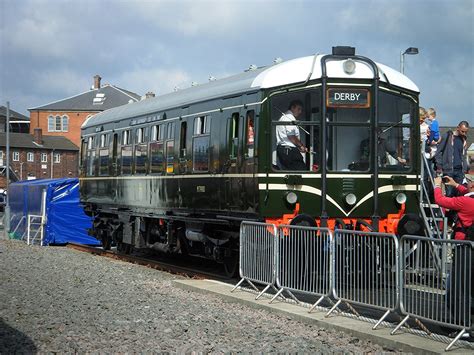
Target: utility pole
6 216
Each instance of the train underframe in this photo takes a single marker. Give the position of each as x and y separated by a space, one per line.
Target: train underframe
169 235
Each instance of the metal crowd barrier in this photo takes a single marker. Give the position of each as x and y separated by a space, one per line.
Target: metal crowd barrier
366 270
258 255
304 262
432 292
422 278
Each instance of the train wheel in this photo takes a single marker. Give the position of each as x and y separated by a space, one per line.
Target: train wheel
303 220
124 248
231 265
106 240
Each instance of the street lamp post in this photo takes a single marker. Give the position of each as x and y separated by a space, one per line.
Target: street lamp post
6 216
409 50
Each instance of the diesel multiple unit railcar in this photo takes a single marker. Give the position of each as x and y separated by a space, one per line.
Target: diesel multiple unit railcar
181 171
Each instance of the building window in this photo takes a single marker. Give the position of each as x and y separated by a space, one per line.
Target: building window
57 158
16 156
1 157
58 123
44 157
30 157
65 127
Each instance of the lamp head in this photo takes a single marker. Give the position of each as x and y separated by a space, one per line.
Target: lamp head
411 50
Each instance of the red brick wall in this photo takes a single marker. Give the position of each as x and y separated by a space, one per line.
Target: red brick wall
76 119
67 167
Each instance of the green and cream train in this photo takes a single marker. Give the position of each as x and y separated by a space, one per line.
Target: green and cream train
181 171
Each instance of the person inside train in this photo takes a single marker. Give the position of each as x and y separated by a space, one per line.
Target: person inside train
289 145
386 152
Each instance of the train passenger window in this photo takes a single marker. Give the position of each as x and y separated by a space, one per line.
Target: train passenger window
141 158
158 132
157 157
91 163
83 155
201 138
126 153
103 162
182 140
170 157
170 132
234 135
103 140
250 134
90 143
126 137
139 135
202 125
201 153
91 154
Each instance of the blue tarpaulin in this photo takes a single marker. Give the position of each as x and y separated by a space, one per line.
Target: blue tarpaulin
66 221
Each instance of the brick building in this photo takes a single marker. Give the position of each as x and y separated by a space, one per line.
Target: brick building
18 123
65 117
38 156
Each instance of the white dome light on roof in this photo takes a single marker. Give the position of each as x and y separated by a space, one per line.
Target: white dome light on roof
349 66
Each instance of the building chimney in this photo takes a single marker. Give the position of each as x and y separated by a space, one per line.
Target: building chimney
38 136
149 95
97 82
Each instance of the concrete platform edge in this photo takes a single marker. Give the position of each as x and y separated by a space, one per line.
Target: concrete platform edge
362 330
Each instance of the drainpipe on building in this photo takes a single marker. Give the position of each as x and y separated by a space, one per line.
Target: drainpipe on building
52 162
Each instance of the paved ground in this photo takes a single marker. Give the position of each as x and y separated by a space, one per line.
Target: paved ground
55 299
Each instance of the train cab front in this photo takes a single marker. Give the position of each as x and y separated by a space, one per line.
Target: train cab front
344 149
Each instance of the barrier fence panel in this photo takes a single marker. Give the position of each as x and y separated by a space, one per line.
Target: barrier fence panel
432 292
304 261
258 253
366 270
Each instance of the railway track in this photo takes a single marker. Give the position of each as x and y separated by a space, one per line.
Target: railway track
185 270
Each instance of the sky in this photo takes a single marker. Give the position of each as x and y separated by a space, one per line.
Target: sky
51 49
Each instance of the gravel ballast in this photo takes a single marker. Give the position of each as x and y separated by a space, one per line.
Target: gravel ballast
55 299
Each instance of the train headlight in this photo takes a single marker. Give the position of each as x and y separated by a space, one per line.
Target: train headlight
291 198
350 199
349 66
401 198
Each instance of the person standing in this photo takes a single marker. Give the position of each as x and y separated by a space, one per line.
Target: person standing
423 125
289 145
462 273
451 156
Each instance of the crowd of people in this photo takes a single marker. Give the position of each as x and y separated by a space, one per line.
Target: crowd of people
447 155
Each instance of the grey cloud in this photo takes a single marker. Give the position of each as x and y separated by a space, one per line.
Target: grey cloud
51 49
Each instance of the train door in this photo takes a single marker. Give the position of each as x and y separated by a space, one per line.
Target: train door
248 169
183 153
114 166
234 182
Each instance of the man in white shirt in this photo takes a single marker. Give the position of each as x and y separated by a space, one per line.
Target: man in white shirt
289 145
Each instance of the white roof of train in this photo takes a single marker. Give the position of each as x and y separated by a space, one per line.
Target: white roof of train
285 73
